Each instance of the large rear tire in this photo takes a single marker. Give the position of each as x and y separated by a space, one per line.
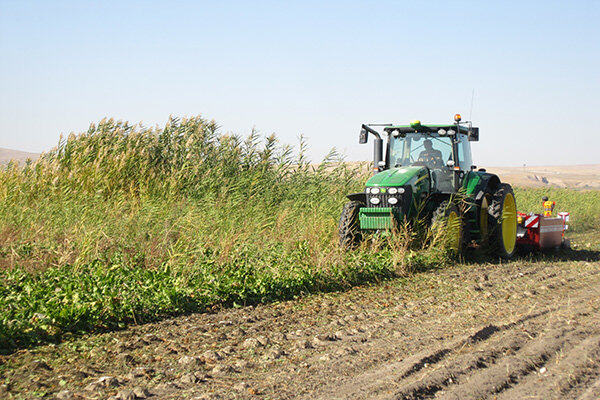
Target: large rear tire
503 222
449 218
349 226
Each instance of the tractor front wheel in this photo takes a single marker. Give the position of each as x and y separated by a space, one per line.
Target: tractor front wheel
447 217
349 226
503 222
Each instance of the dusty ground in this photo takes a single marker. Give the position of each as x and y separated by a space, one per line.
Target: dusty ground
526 329
569 176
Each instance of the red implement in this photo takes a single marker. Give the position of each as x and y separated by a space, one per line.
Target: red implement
541 231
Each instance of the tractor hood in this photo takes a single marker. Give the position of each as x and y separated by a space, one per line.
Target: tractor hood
394 176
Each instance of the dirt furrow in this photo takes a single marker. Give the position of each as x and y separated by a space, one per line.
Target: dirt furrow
509 370
438 377
592 392
475 367
566 373
398 374
463 332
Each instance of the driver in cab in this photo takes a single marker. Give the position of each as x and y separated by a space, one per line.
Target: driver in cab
430 156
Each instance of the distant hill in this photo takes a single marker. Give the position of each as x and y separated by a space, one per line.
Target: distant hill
20 156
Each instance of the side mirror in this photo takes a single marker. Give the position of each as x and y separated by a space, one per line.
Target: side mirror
364 136
473 135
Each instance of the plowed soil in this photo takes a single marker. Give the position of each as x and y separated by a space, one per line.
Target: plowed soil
526 329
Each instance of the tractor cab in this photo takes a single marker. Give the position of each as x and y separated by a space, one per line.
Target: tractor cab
445 150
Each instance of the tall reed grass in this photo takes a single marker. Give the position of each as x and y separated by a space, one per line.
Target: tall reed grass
126 224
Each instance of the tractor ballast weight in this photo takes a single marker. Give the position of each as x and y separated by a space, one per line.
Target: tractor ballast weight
423 173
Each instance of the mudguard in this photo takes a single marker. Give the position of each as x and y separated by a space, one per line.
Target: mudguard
362 197
477 183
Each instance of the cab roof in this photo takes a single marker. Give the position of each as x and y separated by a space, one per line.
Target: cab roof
430 128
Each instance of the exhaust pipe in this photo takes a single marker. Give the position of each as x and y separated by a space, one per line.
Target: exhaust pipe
377 153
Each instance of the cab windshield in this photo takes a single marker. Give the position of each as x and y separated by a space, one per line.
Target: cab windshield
416 149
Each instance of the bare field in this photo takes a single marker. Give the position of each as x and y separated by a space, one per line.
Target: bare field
568 176
525 329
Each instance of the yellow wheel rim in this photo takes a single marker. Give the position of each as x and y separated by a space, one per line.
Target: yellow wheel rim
483 218
509 223
454 228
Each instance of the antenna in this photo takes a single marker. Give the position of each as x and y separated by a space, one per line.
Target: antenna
471 111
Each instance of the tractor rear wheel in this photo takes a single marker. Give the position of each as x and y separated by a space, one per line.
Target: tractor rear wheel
503 222
349 226
448 217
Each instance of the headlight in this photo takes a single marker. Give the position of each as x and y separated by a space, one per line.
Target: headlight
392 190
368 190
374 190
400 190
374 200
392 200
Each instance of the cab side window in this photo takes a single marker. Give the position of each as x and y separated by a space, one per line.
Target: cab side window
464 153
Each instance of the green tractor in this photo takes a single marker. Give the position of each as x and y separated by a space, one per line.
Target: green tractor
427 173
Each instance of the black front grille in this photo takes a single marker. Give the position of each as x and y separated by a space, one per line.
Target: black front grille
403 199
383 200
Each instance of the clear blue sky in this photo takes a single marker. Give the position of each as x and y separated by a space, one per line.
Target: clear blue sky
320 68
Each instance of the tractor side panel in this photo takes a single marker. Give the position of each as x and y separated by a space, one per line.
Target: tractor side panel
475 183
471 183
